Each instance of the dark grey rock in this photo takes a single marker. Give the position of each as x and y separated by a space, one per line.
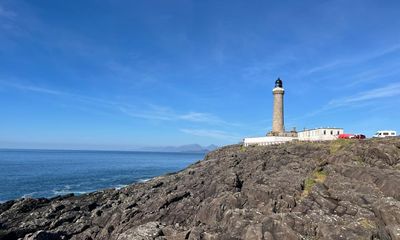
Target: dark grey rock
331 190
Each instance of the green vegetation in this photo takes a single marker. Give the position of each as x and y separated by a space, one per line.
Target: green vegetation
308 184
243 148
367 223
358 160
339 144
318 176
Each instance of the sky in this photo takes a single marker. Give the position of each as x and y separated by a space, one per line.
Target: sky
125 74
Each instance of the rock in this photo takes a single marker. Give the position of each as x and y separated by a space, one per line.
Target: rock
43 235
146 231
254 232
299 190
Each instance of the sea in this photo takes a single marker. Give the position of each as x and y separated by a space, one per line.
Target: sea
49 173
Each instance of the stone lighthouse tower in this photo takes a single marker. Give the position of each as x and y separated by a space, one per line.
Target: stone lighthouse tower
278 127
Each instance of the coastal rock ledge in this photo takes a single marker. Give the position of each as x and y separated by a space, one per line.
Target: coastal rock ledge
344 189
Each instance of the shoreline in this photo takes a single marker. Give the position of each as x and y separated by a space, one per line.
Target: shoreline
298 190
48 174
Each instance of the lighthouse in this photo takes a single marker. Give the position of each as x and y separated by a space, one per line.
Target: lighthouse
278 134
278 127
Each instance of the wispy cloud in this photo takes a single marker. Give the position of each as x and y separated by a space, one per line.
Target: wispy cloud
203 117
324 67
382 92
217 134
365 98
148 111
26 87
5 13
154 112
374 74
44 90
349 60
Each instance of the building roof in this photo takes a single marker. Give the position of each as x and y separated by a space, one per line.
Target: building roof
320 128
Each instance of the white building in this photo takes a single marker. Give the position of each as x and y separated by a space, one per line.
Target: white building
319 134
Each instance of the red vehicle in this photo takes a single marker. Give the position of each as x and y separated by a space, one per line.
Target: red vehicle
345 136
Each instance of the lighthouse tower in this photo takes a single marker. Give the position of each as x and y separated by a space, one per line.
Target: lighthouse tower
278 127
278 134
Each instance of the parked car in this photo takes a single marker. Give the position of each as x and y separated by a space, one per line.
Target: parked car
345 136
358 136
385 133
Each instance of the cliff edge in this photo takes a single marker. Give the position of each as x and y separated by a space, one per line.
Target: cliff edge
332 190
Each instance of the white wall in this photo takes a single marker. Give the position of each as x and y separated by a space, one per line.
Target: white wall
263 141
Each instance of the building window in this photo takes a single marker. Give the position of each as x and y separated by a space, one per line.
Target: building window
337 132
331 132
324 132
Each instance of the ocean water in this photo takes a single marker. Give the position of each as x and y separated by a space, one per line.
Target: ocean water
47 173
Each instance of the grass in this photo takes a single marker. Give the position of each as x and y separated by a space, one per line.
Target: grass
339 144
358 160
308 184
318 176
367 223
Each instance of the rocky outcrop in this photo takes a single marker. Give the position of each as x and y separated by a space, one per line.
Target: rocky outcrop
333 190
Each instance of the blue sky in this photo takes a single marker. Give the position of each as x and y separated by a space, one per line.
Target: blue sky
125 74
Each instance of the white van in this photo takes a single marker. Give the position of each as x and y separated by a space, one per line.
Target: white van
385 133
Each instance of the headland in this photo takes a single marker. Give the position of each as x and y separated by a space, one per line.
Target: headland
342 189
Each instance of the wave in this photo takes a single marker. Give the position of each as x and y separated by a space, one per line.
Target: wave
29 195
68 189
118 187
143 180
64 192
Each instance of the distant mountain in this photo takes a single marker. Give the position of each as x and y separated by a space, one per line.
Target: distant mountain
184 148
211 147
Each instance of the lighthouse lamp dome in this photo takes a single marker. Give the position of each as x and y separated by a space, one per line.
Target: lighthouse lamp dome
278 83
